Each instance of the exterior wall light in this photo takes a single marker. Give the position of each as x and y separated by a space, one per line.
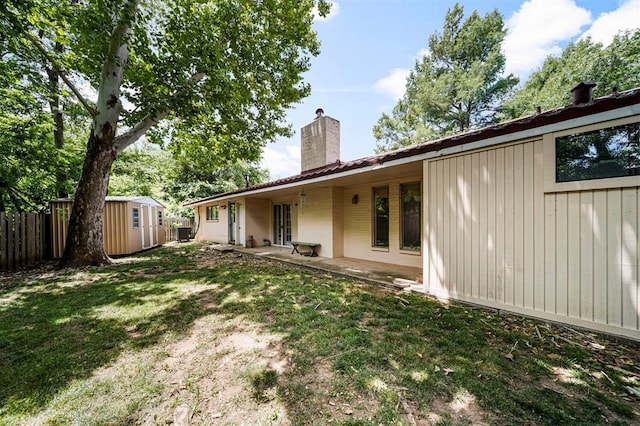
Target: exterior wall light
354 199
303 198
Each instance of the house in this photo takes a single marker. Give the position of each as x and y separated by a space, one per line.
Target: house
130 224
539 216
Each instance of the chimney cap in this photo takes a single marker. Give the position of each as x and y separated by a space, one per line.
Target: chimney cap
584 84
319 113
582 92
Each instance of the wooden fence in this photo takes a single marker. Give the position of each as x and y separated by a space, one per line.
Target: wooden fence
22 239
171 223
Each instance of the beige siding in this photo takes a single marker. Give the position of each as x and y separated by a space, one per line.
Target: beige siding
60 212
115 228
496 238
118 233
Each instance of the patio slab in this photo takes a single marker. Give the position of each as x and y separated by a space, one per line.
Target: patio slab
388 275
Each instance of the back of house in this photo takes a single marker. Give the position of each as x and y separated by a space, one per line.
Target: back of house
539 216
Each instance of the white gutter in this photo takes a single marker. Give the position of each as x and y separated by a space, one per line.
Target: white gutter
509 137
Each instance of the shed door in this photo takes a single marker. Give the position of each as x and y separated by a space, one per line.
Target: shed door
146 223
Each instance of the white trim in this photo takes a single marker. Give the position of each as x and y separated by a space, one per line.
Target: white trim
549 152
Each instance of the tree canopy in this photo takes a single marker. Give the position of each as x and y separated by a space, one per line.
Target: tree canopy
457 85
614 66
210 79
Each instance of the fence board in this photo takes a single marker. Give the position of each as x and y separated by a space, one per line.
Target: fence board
171 223
22 239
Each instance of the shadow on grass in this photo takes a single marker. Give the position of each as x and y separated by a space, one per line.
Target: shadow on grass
60 329
55 331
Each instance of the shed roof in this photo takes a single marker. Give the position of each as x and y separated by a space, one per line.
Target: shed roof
533 121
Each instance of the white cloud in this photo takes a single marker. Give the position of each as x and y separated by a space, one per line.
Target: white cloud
335 8
422 53
537 28
281 164
394 83
626 17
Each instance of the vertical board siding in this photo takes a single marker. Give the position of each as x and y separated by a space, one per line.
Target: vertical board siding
22 239
496 238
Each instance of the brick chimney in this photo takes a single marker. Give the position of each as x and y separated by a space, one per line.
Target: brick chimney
320 142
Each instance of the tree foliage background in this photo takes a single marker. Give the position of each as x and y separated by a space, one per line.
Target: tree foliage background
458 85
614 66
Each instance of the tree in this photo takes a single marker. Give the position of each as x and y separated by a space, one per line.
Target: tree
216 75
135 172
615 66
456 86
34 168
187 181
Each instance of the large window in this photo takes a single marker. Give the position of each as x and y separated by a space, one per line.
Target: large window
381 216
410 216
212 213
135 214
598 154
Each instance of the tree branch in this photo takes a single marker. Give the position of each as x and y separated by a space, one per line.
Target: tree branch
150 120
133 134
51 59
54 63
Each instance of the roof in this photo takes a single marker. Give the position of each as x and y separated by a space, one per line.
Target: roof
119 198
537 120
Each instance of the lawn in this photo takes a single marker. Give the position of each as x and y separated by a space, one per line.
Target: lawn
188 335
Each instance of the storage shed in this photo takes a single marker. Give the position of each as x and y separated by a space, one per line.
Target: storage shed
130 224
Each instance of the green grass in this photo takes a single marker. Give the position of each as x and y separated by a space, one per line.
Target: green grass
356 355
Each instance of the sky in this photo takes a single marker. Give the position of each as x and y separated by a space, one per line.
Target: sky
369 46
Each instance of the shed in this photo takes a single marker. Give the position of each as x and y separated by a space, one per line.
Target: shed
130 224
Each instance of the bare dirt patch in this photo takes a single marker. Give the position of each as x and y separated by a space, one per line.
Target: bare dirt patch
206 376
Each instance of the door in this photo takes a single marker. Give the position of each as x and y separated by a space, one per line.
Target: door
240 223
145 226
232 223
282 224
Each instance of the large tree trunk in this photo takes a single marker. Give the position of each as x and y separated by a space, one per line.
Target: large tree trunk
84 245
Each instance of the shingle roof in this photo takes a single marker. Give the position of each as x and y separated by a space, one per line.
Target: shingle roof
569 112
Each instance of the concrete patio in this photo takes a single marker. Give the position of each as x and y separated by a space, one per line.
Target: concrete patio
391 276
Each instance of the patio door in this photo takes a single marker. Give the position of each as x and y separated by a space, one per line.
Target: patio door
282 224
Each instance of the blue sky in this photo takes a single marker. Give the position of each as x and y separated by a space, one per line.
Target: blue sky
369 46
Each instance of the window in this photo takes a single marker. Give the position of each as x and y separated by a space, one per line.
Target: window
410 216
159 218
381 216
604 153
135 214
212 213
